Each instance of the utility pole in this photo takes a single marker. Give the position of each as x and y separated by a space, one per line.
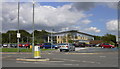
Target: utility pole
18 34
118 42
33 29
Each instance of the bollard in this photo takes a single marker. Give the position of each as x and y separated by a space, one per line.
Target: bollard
30 46
37 52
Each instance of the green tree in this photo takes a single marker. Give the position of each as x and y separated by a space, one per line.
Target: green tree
109 38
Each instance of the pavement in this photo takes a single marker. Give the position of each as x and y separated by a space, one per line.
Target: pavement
82 57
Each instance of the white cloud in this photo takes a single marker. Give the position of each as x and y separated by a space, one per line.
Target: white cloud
86 21
93 30
112 25
46 17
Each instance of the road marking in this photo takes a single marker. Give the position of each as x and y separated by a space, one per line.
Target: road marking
77 60
82 53
102 56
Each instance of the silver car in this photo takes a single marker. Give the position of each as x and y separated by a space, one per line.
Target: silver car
66 47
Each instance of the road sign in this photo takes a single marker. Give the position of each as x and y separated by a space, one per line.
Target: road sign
18 35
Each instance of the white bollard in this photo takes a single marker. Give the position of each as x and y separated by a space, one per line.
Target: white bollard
37 52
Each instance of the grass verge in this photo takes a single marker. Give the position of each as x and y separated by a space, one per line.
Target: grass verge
21 50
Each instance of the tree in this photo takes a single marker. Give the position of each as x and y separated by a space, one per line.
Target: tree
109 38
97 37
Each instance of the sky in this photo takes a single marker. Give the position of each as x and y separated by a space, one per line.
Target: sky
96 18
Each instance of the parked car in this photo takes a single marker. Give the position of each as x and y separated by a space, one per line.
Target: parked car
97 45
75 45
67 47
5 45
27 45
41 46
56 46
89 45
81 44
47 45
106 45
20 45
13 45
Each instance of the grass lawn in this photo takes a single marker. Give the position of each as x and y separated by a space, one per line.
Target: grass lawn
21 50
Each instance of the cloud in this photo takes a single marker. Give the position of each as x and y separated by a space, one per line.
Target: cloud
93 30
86 21
46 17
112 25
83 6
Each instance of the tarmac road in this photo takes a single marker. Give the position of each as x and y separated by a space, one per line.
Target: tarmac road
83 57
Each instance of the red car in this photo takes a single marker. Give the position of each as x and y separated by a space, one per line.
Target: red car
20 45
26 45
41 46
106 45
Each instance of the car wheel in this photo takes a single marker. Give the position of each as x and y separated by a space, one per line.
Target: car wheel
111 47
74 50
61 50
43 47
102 47
67 50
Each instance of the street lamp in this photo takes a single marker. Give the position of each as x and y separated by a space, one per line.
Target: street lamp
18 34
33 29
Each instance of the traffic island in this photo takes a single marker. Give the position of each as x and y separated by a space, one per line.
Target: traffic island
33 59
37 56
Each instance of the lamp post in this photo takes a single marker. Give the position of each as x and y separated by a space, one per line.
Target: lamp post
18 34
33 29
118 23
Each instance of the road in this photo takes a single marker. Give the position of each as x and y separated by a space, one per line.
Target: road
83 57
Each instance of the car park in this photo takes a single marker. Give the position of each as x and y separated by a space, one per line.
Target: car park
106 45
66 47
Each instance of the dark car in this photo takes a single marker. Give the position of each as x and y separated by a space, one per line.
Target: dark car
81 44
13 45
47 45
74 44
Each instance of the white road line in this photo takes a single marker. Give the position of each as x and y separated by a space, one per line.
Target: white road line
102 56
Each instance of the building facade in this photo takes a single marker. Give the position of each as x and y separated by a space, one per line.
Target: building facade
68 36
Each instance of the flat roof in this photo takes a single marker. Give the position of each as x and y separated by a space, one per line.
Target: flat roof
74 31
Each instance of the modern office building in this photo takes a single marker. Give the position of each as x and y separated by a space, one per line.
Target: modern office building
67 36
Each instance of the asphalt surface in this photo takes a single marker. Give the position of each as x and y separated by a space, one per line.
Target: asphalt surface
82 57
